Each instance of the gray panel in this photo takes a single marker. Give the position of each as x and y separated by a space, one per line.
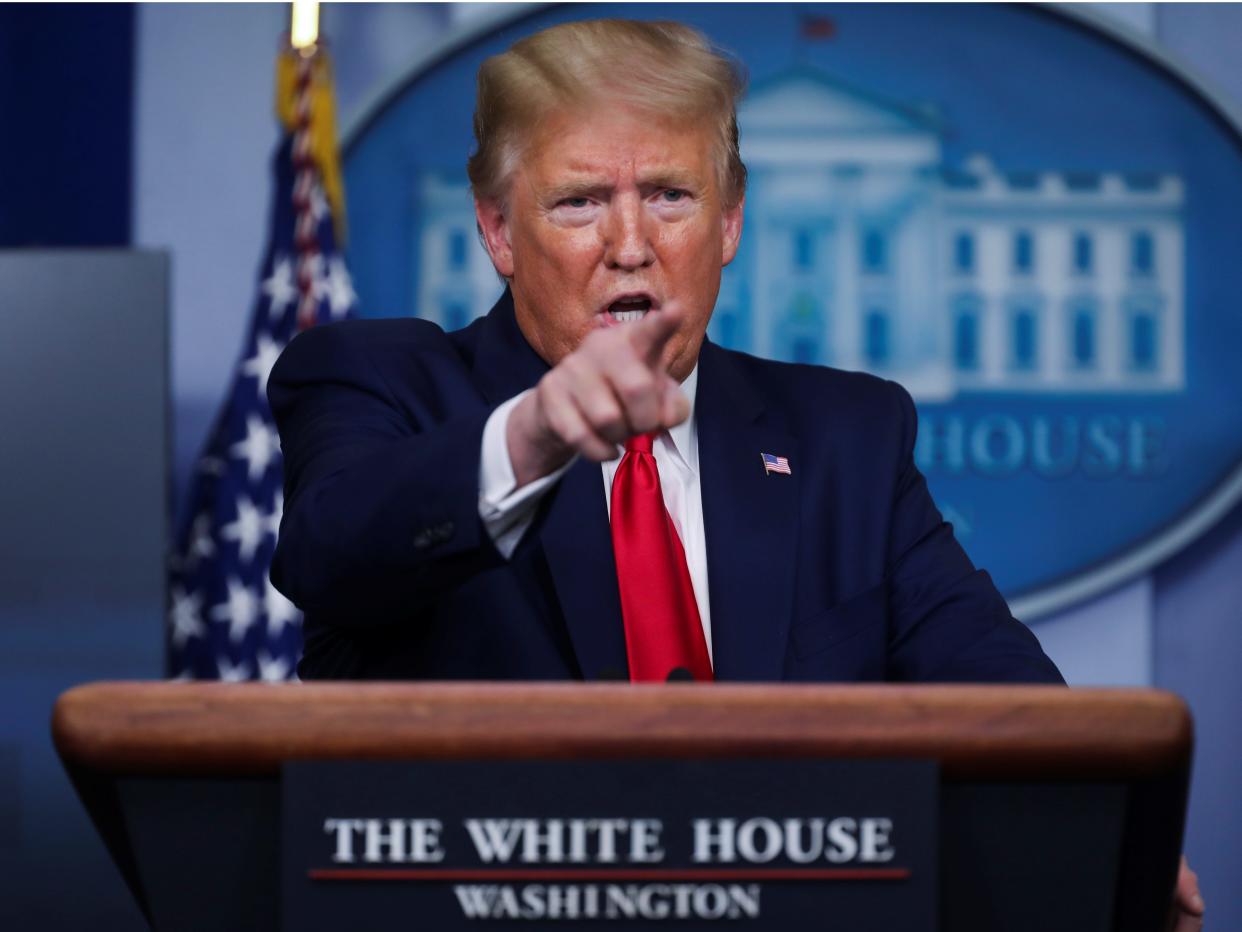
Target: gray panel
83 401
83 505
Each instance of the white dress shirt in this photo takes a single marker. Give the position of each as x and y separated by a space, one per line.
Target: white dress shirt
507 513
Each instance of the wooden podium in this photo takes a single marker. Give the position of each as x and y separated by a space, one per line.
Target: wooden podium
1059 809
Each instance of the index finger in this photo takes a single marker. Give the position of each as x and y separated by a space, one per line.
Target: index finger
649 335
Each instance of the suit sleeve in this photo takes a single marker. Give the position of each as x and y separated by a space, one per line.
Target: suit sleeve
949 622
381 499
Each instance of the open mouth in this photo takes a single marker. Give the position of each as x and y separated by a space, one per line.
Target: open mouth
630 308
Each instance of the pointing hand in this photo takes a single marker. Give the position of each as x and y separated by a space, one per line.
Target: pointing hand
610 388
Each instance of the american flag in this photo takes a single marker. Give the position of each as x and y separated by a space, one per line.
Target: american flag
226 621
773 464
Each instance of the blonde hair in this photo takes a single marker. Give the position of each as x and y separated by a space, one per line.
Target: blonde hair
663 68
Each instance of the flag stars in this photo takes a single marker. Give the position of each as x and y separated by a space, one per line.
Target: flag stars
318 204
230 673
279 610
273 669
239 611
259 366
259 448
247 530
340 289
280 288
201 544
186 616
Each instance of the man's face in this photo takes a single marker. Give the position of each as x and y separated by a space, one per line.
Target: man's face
612 214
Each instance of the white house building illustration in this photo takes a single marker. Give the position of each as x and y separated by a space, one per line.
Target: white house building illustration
862 250
456 281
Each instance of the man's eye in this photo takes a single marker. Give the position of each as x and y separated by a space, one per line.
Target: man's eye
673 195
574 202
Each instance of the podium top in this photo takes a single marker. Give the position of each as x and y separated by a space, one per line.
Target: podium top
1026 732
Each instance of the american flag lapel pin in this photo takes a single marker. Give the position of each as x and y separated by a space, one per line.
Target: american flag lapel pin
773 463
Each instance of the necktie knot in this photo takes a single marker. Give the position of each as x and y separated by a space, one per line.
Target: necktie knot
640 443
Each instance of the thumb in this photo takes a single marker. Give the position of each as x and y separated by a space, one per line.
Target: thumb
674 405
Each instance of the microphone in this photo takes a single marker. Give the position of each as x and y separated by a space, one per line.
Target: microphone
680 675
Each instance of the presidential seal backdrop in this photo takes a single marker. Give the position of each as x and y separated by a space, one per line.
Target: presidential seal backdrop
1025 217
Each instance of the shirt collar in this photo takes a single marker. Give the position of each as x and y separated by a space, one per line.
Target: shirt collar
684 438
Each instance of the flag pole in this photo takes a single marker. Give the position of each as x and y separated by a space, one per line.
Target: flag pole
304 26
304 36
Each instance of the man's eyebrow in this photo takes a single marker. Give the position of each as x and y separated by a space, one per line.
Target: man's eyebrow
575 188
669 178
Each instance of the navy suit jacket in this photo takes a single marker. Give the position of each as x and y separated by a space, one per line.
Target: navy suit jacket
842 571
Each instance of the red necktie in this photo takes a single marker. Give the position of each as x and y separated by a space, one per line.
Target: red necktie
662 626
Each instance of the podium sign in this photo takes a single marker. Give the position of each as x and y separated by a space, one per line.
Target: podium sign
770 844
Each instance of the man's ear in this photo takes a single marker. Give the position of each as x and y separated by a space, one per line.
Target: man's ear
731 230
493 226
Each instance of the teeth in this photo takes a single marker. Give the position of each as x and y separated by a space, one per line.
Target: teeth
626 317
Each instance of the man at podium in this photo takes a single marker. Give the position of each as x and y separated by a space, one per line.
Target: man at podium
579 484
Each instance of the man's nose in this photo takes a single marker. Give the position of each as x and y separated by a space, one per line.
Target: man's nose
627 239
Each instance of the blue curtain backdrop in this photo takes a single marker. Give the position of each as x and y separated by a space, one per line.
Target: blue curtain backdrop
66 116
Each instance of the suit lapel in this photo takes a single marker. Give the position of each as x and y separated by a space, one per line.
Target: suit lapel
750 521
577 542
574 535
504 363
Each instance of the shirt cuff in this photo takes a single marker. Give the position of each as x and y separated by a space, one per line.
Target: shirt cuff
506 513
